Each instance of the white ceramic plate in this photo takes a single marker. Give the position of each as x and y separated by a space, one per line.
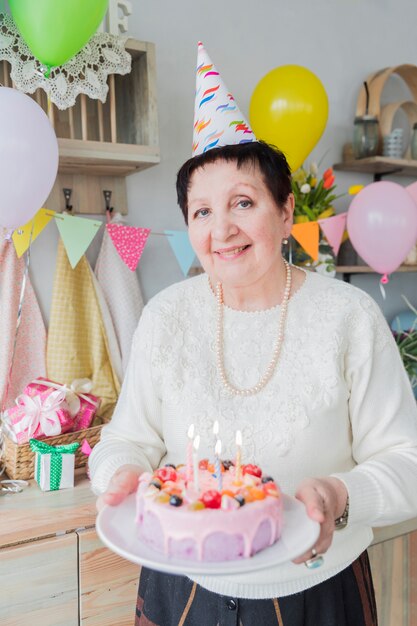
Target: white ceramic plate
117 529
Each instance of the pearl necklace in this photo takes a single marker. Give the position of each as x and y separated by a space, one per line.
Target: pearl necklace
251 391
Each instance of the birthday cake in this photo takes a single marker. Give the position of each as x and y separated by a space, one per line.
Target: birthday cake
206 520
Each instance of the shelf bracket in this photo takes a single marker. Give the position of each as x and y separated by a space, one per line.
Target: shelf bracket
378 175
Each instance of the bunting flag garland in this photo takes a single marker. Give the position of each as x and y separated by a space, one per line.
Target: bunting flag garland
21 236
333 229
77 233
181 247
129 242
307 235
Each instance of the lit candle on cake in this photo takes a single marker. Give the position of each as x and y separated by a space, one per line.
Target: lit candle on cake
190 435
215 433
217 464
196 445
238 462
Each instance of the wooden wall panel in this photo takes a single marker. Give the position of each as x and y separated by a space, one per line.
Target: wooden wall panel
108 584
394 572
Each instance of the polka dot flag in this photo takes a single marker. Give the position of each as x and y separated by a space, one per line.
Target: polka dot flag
129 242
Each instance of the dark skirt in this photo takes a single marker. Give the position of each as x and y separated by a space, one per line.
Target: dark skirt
346 599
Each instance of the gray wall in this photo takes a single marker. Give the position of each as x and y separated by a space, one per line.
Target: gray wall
341 41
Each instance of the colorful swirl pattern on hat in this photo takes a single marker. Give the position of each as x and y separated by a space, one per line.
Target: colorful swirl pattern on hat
217 118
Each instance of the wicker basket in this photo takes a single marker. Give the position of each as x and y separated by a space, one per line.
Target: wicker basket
19 460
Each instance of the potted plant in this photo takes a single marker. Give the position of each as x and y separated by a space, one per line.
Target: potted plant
406 340
314 197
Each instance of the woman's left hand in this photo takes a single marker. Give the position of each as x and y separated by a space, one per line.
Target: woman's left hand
325 501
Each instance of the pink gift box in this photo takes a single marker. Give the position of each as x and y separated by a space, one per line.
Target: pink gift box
38 415
82 405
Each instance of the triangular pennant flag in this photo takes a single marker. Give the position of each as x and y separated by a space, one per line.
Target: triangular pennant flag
333 229
307 235
129 242
21 236
180 244
76 233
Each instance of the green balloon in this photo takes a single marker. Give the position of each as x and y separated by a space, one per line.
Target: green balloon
55 30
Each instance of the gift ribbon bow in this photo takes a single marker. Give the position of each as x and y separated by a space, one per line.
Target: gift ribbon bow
78 388
56 453
38 413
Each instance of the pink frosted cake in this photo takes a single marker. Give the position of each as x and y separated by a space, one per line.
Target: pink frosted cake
208 525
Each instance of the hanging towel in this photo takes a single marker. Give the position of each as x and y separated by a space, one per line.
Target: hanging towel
121 290
77 342
112 342
29 360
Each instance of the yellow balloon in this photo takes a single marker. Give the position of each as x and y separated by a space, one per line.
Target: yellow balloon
289 109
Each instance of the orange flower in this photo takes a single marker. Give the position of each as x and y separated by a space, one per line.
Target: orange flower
328 182
328 173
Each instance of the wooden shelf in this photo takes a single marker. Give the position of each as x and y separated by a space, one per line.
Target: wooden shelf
379 165
365 269
104 158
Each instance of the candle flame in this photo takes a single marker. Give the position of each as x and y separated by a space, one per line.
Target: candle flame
196 442
238 438
218 448
191 431
216 428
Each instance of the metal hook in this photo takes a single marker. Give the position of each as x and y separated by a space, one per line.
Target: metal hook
107 199
67 194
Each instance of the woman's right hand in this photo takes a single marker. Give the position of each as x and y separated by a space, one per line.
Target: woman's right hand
123 482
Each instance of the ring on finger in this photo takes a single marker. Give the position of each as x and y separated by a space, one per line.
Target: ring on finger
315 561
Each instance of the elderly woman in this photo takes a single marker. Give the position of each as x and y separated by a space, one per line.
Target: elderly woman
303 365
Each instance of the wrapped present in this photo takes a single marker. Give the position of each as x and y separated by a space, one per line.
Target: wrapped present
81 404
42 415
54 465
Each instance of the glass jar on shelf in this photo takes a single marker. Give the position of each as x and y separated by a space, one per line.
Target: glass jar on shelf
365 136
413 142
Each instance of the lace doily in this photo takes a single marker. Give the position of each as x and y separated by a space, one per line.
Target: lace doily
85 73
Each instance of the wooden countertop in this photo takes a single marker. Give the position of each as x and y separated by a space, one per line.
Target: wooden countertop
34 514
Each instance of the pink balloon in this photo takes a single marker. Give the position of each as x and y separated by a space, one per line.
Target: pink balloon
28 157
382 225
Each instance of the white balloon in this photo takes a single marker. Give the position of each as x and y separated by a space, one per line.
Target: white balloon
28 157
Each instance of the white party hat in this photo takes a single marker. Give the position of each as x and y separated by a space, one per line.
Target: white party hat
217 118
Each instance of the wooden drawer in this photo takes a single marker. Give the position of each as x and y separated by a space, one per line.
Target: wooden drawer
39 583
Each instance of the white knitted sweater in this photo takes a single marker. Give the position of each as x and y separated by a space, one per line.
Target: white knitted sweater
339 403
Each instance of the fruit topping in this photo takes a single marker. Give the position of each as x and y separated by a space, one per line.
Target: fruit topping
227 464
270 486
175 500
267 479
240 499
162 497
196 506
203 464
228 492
155 483
212 499
166 473
252 469
257 494
170 465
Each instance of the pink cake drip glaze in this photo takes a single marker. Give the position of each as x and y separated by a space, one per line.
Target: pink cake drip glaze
208 534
